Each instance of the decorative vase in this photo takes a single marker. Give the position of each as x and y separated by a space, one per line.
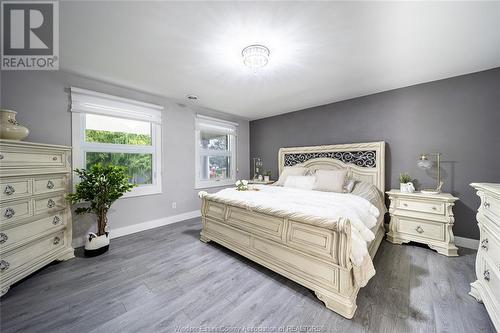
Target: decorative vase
266 178
407 187
9 127
96 245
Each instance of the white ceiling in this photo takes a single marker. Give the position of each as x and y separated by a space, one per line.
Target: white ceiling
321 52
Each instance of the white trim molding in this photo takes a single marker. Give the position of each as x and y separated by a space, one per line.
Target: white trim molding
132 229
468 243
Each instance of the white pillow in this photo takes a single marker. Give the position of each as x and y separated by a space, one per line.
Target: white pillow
330 180
302 182
290 171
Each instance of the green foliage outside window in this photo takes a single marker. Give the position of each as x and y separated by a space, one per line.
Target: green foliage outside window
138 166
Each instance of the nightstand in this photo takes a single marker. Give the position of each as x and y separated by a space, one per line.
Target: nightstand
261 182
423 218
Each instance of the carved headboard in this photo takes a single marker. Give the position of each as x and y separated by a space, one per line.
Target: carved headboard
364 161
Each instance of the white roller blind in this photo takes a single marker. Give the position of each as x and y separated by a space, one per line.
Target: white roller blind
214 125
88 101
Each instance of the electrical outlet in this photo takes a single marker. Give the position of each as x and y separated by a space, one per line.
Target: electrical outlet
174 205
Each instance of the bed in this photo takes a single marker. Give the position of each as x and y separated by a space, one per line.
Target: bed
315 251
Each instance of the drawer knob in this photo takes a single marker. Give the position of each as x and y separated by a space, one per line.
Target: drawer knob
486 204
405 204
54 158
50 185
484 244
434 208
4 265
9 190
486 275
51 203
9 212
419 229
1 157
57 240
3 238
56 220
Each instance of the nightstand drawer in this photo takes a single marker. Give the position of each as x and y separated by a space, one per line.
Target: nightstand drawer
421 206
14 188
421 228
491 208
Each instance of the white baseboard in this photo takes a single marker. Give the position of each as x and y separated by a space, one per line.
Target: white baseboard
467 242
132 229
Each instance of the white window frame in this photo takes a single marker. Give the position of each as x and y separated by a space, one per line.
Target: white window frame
86 101
214 125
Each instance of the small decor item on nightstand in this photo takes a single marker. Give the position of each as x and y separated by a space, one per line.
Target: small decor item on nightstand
99 187
257 165
267 176
10 129
405 184
426 164
241 185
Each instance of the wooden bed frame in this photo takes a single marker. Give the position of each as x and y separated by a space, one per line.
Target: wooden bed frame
315 257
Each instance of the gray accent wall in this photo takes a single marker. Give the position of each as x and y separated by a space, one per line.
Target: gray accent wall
42 100
458 117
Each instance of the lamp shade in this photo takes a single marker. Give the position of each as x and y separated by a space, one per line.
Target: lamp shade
424 164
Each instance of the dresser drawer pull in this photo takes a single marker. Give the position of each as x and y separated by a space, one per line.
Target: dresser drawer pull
434 208
486 204
1 157
4 265
486 275
484 244
50 185
9 190
51 203
57 240
405 205
56 220
3 238
54 158
9 212
419 229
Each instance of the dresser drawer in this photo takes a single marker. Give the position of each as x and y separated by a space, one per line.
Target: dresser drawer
15 210
489 274
421 228
20 259
421 206
27 158
49 204
10 238
491 208
490 246
49 184
12 188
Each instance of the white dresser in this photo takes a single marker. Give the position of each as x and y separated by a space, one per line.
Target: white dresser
35 220
423 218
487 286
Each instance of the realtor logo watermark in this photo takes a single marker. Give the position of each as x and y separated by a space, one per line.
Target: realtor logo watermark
30 35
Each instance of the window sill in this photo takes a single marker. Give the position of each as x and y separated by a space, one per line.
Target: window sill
142 191
208 184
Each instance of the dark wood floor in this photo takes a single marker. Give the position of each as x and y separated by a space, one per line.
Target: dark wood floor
166 280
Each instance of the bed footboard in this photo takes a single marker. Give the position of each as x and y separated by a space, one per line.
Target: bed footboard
313 256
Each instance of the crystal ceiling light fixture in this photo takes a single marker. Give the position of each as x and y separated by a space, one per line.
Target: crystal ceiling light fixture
255 56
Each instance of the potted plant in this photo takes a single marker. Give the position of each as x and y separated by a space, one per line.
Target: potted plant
267 175
99 187
405 183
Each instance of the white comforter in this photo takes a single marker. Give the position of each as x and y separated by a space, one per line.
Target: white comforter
327 206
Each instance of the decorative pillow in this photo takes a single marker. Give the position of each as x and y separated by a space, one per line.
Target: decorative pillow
371 193
290 171
349 185
301 182
330 180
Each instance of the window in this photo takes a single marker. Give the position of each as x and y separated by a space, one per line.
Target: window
215 152
119 131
